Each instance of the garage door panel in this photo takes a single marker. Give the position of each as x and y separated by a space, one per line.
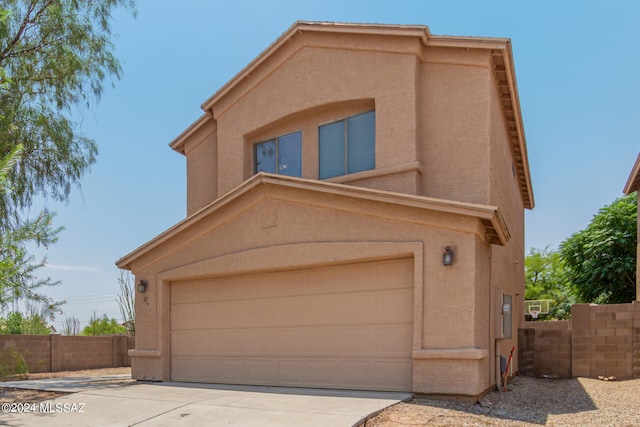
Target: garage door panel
347 326
357 277
363 373
394 273
393 374
391 306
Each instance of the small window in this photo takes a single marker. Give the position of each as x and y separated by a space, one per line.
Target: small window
281 155
348 145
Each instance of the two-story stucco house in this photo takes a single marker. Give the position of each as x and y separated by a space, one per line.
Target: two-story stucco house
355 219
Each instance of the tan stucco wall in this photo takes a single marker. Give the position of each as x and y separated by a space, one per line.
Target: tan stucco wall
311 84
285 229
454 91
432 105
425 123
202 167
507 262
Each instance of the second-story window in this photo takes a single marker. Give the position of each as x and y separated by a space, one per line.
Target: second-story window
348 145
281 155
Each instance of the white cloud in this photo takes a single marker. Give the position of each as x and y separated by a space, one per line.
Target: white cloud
72 268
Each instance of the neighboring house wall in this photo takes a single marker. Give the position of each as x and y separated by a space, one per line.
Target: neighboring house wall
633 184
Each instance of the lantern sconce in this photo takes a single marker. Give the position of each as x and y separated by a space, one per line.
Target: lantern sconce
447 256
142 286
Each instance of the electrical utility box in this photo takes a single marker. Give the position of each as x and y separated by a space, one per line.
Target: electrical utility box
504 315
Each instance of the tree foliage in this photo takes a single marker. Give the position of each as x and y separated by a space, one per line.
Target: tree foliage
55 55
18 279
601 259
17 323
546 278
103 326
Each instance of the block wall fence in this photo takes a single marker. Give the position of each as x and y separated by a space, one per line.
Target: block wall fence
599 340
53 353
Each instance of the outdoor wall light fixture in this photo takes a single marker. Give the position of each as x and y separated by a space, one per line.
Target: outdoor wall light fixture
447 256
142 286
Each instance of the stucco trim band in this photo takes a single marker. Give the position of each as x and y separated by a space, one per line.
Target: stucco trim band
293 256
374 173
144 353
451 353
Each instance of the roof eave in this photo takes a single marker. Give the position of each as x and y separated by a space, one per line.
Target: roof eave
633 183
420 31
495 227
178 143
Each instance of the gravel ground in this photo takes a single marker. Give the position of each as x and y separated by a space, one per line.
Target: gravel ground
528 402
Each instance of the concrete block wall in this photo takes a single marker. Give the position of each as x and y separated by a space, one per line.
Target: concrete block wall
603 339
34 349
53 353
599 340
545 349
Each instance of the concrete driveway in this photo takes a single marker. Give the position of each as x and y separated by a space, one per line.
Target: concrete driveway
99 403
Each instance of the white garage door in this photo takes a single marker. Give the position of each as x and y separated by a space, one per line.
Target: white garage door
347 326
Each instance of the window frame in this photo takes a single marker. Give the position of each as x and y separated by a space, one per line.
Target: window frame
276 141
345 121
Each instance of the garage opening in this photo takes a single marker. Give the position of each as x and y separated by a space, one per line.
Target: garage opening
344 326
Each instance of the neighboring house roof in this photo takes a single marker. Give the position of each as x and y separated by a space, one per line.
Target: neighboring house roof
503 69
495 229
633 183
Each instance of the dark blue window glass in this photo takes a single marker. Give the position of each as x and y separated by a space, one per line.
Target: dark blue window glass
282 155
290 154
348 145
361 142
332 141
266 156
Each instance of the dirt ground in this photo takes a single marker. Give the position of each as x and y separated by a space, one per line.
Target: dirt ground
15 395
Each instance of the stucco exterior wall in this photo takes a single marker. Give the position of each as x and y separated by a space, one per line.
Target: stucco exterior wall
312 85
507 262
281 219
454 91
202 167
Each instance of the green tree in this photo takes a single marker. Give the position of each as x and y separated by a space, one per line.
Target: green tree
103 326
55 55
17 323
18 279
546 278
601 259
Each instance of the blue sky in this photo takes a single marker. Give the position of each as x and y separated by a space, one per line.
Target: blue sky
577 68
